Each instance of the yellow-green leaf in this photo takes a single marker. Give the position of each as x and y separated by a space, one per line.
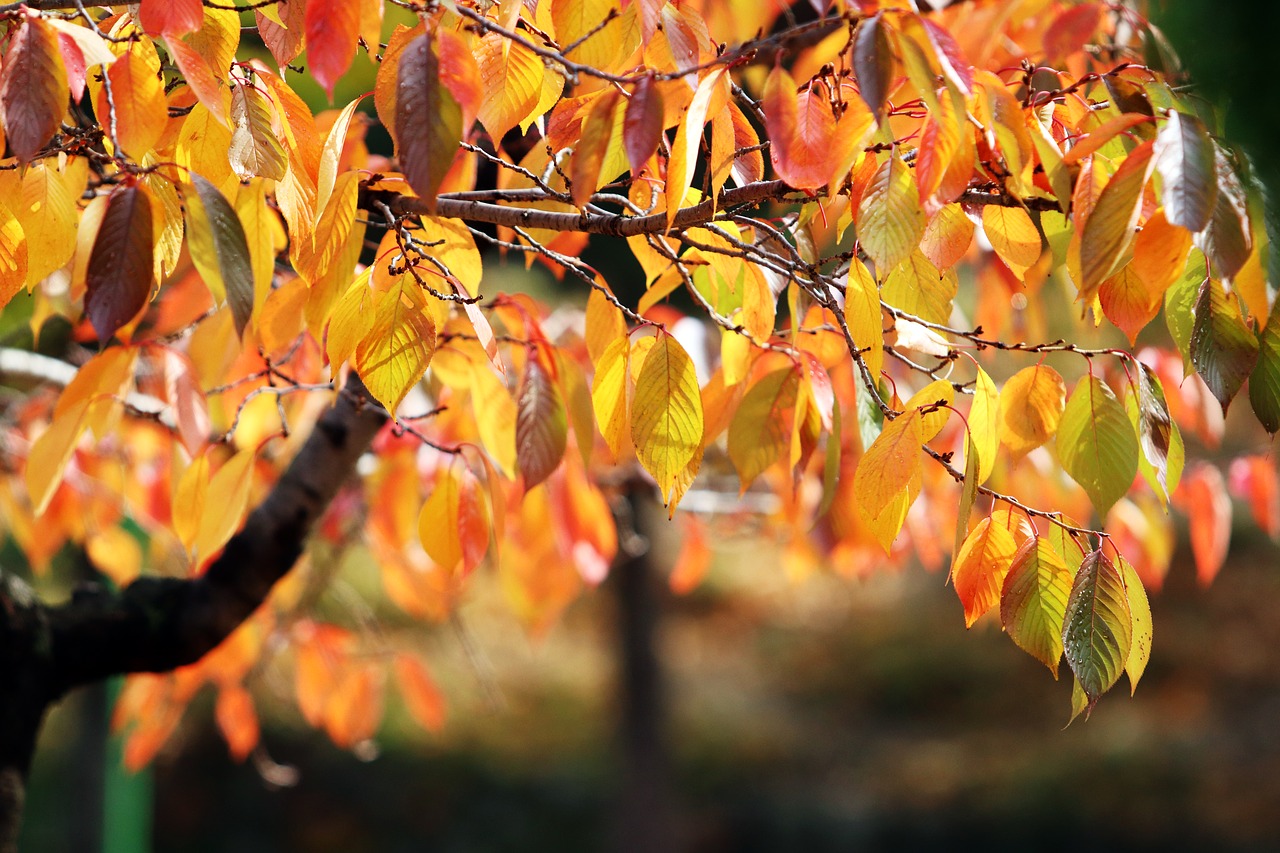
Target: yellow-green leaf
666 415
1033 602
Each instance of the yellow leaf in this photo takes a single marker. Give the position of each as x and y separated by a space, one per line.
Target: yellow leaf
983 424
351 320
666 416
512 78
938 391
226 500
1031 405
51 452
46 209
888 476
684 152
116 554
1013 236
609 394
13 255
495 415
313 258
862 313
394 355
438 522
188 501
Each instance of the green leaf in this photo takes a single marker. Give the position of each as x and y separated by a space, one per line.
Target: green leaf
219 248
1185 160
1228 239
761 428
1223 349
1033 603
542 425
1097 632
121 268
1264 382
1097 445
1157 433
1180 304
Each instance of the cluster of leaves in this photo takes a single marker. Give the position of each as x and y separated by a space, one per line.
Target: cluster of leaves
223 255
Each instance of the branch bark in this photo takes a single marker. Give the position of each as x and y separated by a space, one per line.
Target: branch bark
159 624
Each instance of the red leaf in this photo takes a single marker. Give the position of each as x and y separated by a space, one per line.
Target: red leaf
873 63
285 43
121 266
332 28
33 88
801 129
642 124
428 119
541 425
171 17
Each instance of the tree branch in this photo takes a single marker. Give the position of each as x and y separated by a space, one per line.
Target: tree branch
158 624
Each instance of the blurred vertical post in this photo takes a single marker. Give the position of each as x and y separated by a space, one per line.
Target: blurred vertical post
645 811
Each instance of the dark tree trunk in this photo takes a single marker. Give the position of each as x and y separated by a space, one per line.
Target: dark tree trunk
645 818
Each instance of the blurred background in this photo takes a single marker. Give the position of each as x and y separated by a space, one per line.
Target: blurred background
824 714
817 713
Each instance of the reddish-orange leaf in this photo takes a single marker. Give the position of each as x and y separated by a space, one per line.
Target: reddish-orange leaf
1129 302
801 130
1254 479
695 556
237 720
284 42
33 87
980 568
331 30
421 695
588 156
170 17
1202 495
200 77
642 124
121 267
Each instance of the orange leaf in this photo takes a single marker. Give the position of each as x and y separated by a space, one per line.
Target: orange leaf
237 720
1202 495
980 568
421 695
801 130
170 17
1111 224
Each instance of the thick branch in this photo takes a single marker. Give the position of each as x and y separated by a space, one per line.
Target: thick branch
618 225
158 624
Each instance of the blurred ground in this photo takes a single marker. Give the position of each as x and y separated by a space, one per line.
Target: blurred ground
832 715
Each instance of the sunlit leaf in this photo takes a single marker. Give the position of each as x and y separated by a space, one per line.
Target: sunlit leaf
1097 632
1096 443
980 566
666 414
541 425
1031 406
1033 601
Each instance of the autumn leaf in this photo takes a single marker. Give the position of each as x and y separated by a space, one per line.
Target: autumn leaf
888 475
393 356
1264 382
666 413
541 425
219 249
873 62
170 17
1031 405
255 150
1097 632
331 30
1033 601
1111 224
1223 349
33 87
428 119
761 428
890 219
121 268
980 566
1184 157
1096 443
642 123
